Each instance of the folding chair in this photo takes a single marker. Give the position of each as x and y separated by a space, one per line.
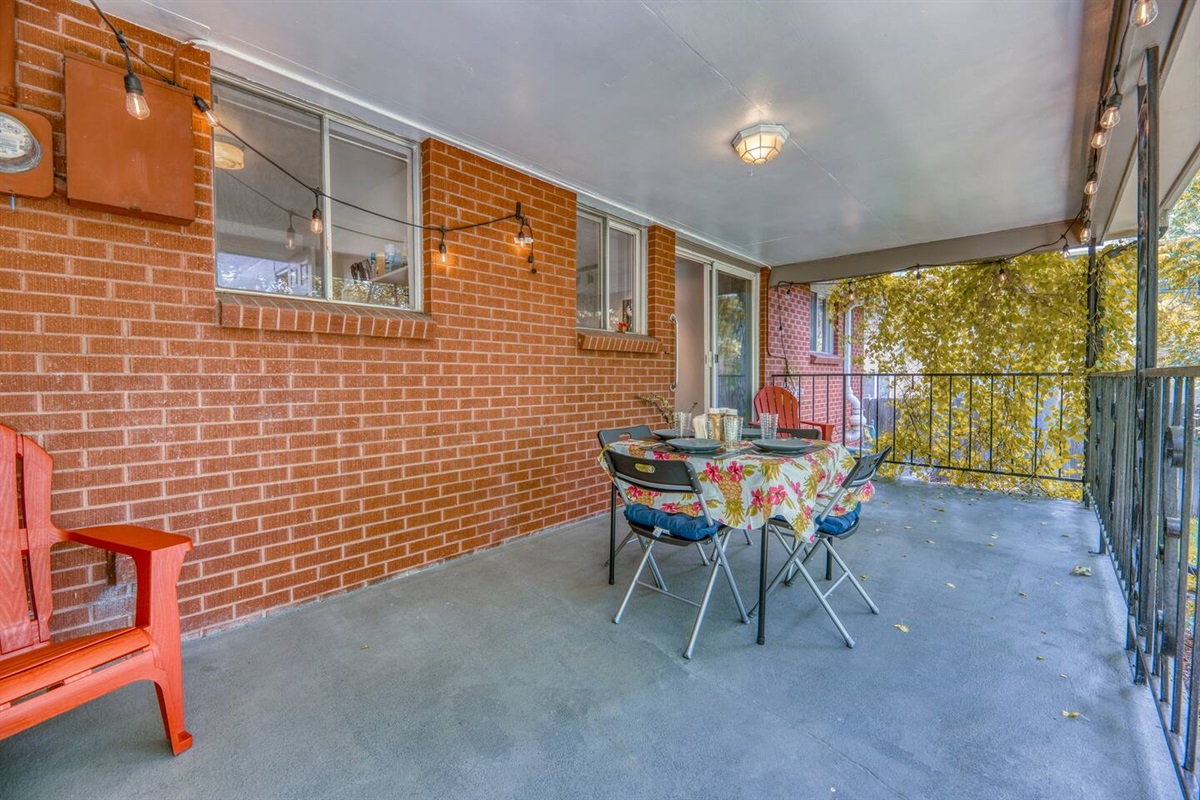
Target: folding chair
606 438
653 526
829 528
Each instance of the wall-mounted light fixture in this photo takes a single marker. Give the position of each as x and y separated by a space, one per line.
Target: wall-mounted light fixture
760 143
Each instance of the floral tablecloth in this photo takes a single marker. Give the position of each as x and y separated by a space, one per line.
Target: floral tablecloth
744 490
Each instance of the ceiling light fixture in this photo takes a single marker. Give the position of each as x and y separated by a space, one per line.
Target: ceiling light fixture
760 143
228 155
1144 12
1099 139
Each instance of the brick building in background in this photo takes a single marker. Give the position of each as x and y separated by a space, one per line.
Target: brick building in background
309 448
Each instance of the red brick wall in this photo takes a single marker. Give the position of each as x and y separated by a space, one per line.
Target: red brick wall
787 319
301 464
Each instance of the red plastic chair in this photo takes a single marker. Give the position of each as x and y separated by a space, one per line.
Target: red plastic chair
777 400
40 678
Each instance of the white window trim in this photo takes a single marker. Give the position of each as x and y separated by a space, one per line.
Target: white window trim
409 150
641 270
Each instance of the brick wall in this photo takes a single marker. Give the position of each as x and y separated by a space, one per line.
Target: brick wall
786 321
302 464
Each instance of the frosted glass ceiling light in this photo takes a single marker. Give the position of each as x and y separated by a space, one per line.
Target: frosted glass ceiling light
760 143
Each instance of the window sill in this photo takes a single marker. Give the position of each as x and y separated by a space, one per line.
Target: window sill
589 339
825 359
276 313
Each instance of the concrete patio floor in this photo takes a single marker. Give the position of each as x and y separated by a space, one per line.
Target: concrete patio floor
502 676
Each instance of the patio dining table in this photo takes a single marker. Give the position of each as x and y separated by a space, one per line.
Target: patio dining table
744 488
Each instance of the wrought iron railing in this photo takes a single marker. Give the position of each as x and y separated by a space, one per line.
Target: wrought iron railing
1024 425
1144 481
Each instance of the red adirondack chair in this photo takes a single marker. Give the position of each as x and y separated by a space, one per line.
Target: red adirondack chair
40 678
777 400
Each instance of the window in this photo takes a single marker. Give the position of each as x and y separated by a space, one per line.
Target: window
610 274
265 242
821 328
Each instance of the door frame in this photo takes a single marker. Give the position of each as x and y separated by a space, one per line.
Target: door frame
711 269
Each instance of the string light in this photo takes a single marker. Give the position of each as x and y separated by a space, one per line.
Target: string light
1066 250
291 235
1099 138
1085 233
135 96
205 109
1003 275
1112 111
316 223
1092 185
1144 12
442 245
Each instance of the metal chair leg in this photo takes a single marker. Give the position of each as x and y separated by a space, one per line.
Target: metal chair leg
712 580
633 584
612 538
737 596
828 608
853 580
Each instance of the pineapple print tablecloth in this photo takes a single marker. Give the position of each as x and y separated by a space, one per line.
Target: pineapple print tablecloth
746 489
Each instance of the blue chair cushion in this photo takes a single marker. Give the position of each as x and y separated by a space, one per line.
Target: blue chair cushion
836 526
681 526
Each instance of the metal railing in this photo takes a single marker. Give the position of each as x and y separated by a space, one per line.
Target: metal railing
1144 482
1024 425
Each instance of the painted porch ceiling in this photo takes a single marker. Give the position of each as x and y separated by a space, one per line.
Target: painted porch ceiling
911 122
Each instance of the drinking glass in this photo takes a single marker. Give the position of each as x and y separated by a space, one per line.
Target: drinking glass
770 425
683 424
732 429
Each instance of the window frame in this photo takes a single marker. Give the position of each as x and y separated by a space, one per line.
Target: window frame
820 303
393 145
640 289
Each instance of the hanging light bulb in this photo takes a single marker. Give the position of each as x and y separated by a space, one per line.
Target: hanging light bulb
316 224
135 98
1003 276
291 235
1099 139
1144 12
1092 185
1112 111
442 250
1066 250
1085 234
205 109
853 296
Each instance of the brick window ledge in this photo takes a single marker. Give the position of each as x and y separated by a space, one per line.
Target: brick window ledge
276 313
617 342
825 359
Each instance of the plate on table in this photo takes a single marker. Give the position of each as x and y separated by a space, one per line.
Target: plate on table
667 433
697 446
791 447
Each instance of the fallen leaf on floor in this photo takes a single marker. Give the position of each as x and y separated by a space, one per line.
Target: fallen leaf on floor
1065 535
929 541
951 585
993 536
1045 523
862 577
1062 674
935 508
1043 633
908 527
1022 594
1041 658
1082 571
991 544
877 530
1070 714
900 626
364 647
935 522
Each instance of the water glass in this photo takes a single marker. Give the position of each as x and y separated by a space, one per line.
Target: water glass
732 429
683 424
770 425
